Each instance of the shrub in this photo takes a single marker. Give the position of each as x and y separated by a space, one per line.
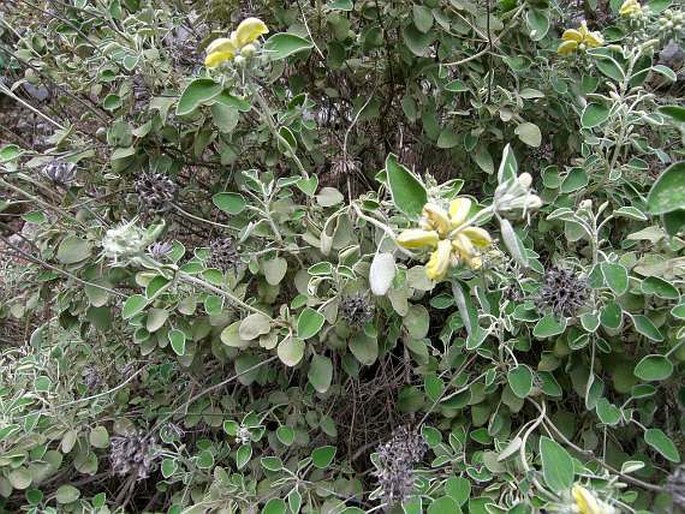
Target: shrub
341 258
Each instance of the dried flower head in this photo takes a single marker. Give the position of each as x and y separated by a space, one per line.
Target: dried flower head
562 292
396 461
675 485
92 377
356 310
224 254
132 455
60 173
156 192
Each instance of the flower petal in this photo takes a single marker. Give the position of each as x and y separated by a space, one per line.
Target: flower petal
478 236
222 44
459 210
594 39
249 31
586 501
463 246
216 58
572 35
436 218
567 47
439 263
418 238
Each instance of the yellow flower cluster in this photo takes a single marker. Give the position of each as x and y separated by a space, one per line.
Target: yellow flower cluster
630 8
224 49
448 235
579 39
587 503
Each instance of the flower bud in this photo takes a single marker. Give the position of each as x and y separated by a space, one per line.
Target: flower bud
525 180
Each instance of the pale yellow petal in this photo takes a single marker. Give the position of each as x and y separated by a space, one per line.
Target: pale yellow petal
567 47
463 246
459 210
222 44
586 501
572 35
439 262
418 238
435 218
594 39
249 31
478 236
216 58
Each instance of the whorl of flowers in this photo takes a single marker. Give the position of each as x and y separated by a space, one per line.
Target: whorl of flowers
452 240
579 39
225 49
156 192
224 254
562 292
396 461
356 310
630 8
132 455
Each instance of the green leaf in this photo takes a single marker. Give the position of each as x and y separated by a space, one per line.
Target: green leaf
459 488
309 322
243 456
658 440
198 92
645 327
520 380
654 367
232 203
443 505
275 506
320 373
659 287
549 326
675 112
615 277
283 44
408 192
538 23
99 437
576 179
225 117
529 133
323 457
67 494
668 192
448 138
290 350
593 115
168 467
364 348
456 86
557 465
20 478
423 17
253 326
177 339
513 242
73 249
308 185
341 5
133 305
607 412
286 435
274 270
272 463
10 153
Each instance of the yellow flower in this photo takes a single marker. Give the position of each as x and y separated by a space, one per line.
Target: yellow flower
586 503
414 238
454 242
630 7
439 261
249 31
219 51
579 39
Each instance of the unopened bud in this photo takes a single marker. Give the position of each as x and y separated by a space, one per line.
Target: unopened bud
525 180
248 51
586 204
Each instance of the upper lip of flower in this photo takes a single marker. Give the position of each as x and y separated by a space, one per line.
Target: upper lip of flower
224 49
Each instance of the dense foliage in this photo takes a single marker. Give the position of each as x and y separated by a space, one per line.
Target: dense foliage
343 257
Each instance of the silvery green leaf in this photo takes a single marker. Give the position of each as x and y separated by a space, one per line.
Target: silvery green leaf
513 243
382 273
